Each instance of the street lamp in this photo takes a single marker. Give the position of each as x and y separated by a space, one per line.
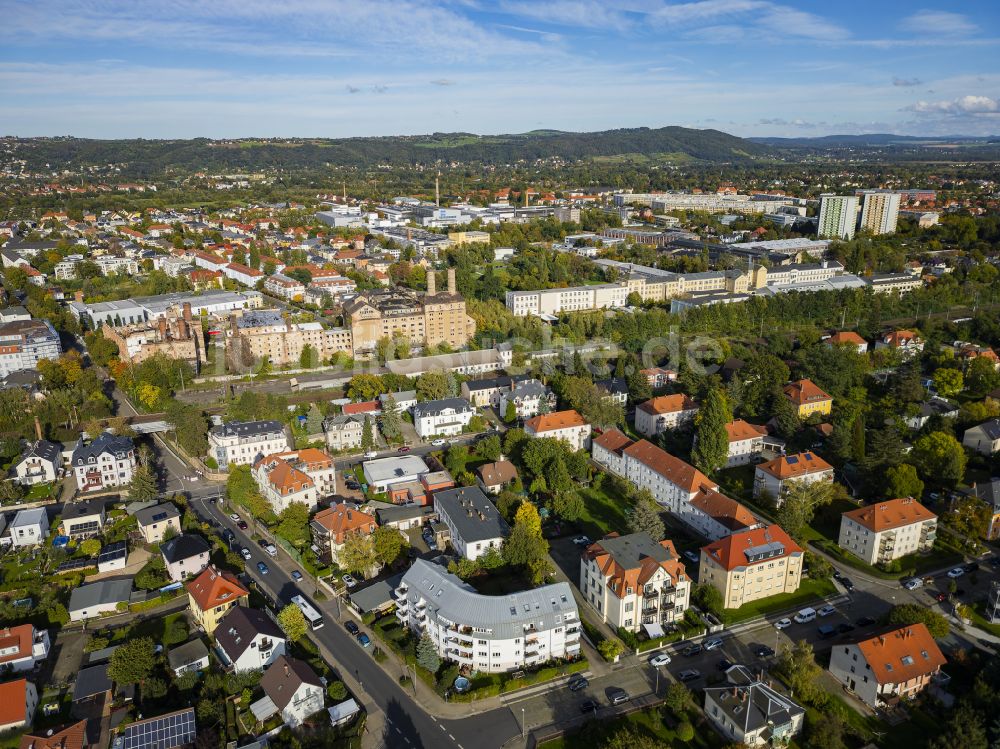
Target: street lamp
522 722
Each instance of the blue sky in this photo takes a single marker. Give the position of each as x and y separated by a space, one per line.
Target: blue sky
236 68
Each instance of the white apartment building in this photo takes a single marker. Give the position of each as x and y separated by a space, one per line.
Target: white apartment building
751 565
838 216
571 299
746 442
24 343
633 581
889 530
568 426
530 398
447 416
664 412
493 634
474 524
775 477
109 460
879 211
299 476
240 443
672 482
343 432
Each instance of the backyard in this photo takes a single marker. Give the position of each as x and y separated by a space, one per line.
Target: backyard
809 591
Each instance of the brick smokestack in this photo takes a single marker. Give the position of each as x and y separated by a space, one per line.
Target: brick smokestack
187 312
431 282
163 328
451 281
38 429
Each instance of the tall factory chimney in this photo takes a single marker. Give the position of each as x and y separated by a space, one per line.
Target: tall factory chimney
431 282
451 281
437 189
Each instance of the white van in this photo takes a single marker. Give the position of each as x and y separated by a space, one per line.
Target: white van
805 615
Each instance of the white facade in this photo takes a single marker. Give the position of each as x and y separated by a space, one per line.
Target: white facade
838 216
242 443
899 527
23 646
29 527
572 299
107 461
443 417
492 634
567 426
27 704
660 414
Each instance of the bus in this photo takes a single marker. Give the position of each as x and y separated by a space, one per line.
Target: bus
313 617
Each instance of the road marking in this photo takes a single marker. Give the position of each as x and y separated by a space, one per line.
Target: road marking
451 737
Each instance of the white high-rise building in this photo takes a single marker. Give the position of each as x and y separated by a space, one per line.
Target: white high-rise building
838 216
879 212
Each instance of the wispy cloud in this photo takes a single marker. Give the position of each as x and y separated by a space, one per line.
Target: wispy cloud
574 13
906 82
443 82
964 105
938 23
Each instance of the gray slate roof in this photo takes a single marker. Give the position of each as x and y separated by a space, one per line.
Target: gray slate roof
183 546
91 681
240 625
245 429
157 513
105 442
448 597
433 408
186 654
990 428
471 513
101 592
284 677
629 550
43 449
755 704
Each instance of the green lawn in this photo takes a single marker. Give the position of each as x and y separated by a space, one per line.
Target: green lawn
808 592
602 513
980 621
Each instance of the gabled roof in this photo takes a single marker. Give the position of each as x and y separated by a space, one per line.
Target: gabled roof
214 587
553 421
751 703
631 561
183 547
157 513
238 628
20 637
613 440
750 547
740 430
805 391
672 468
12 702
668 404
900 338
725 511
284 677
434 408
495 474
341 519
71 737
794 466
990 429
43 449
847 337
893 513
902 654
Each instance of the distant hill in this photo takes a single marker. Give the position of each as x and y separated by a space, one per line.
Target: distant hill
870 140
155 156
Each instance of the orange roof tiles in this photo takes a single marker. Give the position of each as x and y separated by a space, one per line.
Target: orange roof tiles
364 407
900 337
12 702
805 391
847 337
672 468
613 441
804 464
623 572
728 512
903 654
740 430
71 737
894 513
214 587
339 520
555 420
668 404
729 553
19 637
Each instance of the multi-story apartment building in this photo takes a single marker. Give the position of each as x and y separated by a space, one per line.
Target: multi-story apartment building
889 666
633 581
746 442
808 398
177 338
107 461
714 515
888 530
447 416
331 527
343 432
775 477
474 523
24 343
530 398
300 476
487 392
879 211
428 320
284 287
838 216
571 299
664 412
240 443
672 482
567 426
492 634
264 335
751 565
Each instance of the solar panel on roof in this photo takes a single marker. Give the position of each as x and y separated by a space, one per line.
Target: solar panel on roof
159 516
165 732
808 456
793 459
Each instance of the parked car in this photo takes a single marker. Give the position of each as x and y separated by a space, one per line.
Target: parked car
577 683
827 611
271 549
351 627
724 665
371 454
617 696
691 556
590 706
234 517
262 568
843 628
660 659
403 449
783 623
865 621
582 541
439 443
689 674
763 651
713 644
363 640
242 525
692 650
846 582
349 581
296 575
913 583
972 567
245 553
940 597
826 631
956 572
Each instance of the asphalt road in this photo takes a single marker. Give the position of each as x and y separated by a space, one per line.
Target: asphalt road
406 722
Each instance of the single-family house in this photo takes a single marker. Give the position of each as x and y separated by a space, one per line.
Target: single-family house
18 702
101 597
82 520
750 711
774 478
292 689
22 647
185 555
39 463
746 442
212 594
936 406
808 398
493 477
848 338
567 426
984 438
29 527
191 656
154 522
247 639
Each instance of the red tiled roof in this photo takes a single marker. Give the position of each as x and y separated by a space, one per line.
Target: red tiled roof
71 737
847 337
20 637
12 702
728 512
553 421
341 519
214 587
903 654
363 407
613 441
895 513
794 466
728 552
621 578
672 468
668 404
805 391
740 430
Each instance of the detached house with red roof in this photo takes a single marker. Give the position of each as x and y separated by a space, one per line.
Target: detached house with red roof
18 702
664 412
746 442
568 426
212 594
889 667
884 531
633 581
906 342
331 527
774 478
752 565
298 476
808 398
22 647
848 338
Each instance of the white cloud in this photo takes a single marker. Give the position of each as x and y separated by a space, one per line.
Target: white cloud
938 23
577 13
964 105
906 82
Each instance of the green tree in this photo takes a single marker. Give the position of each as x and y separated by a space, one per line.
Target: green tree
365 387
489 448
391 420
358 554
308 358
389 544
143 485
527 516
568 505
91 547
948 382
432 386
292 622
644 516
337 691
763 374
970 516
133 661
427 655
903 481
241 489
798 666
799 505
367 437
911 613
709 598
510 413
940 457
786 418
610 649
981 376
293 523
711 449
685 731
679 699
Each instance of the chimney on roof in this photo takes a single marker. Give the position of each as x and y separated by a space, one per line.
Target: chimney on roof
187 312
38 429
431 283
451 281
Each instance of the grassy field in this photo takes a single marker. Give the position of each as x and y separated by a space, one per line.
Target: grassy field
602 513
808 592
